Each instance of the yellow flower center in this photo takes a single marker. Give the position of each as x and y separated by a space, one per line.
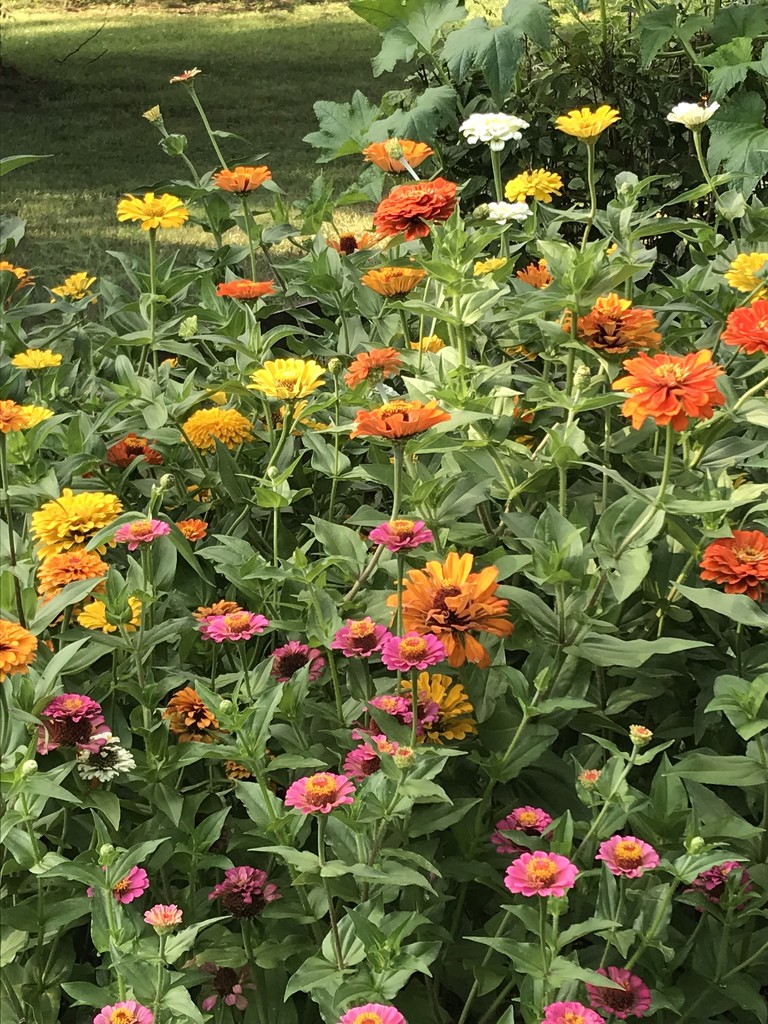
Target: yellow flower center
393 408
413 647
72 703
573 1018
527 818
750 554
368 1018
541 871
288 384
320 787
120 887
669 373
402 527
359 630
140 530
388 704
628 854
237 620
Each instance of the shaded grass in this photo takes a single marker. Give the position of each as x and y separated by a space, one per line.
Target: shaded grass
263 72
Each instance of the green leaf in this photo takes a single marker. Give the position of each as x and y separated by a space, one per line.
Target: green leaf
716 770
179 1002
739 20
737 607
340 542
343 127
730 65
10 163
495 52
739 138
434 109
407 26
608 651
71 594
655 30
529 18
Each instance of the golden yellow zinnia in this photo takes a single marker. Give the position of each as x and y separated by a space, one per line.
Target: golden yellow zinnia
539 184
455 719
207 426
586 124
488 266
165 211
288 378
94 616
745 273
76 286
429 343
71 520
36 359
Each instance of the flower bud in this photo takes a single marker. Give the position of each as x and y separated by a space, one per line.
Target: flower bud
694 845
640 736
154 116
481 212
106 853
581 378
589 778
335 366
188 326
28 768
225 705
404 758
165 481
273 473
119 616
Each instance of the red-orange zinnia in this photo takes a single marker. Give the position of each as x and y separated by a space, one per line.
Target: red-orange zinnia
379 363
245 289
242 179
382 154
670 389
747 327
124 452
398 419
409 208
740 562
536 274
614 327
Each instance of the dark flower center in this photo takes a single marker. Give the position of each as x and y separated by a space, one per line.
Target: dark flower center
288 664
224 980
347 244
235 904
617 999
67 733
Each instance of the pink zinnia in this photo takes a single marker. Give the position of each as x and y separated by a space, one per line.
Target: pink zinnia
72 720
373 1013
541 874
127 1012
627 856
321 792
293 656
163 916
570 1013
412 651
631 1000
244 892
530 820
235 626
712 882
398 707
360 639
227 983
401 534
130 888
141 531
364 760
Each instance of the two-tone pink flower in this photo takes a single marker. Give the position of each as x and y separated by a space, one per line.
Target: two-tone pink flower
631 1000
235 626
541 874
72 720
294 656
163 917
365 760
126 1012
532 821
627 856
320 793
570 1013
245 891
373 1013
401 534
360 638
141 531
402 653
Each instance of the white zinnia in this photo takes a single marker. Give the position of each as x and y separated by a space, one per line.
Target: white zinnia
502 213
109 761
495 129
692 115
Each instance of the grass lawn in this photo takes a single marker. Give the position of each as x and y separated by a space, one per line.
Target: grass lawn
263 72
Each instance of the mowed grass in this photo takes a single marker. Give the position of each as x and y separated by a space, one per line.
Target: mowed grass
262 74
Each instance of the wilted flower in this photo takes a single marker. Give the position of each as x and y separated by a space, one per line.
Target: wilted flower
631 1000
76 286
748 272
401 534
739 562
349 243
22 275
670 389
410 208
71 720
411 651
494 129
589 777
712 882
71 520
245 892
110 760
36 359
141 531
692 115
587 125
360 639
532 821
94 616
152 212
207 426
294 656
163 917
239 625
372 366
186 76
126 1012
541 874
373 1013
503 213
153 115
228 984
18 649
627 856
190 717
365 760
321 793
124 452
747 327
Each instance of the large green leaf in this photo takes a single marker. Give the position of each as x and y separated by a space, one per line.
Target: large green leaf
407 26
343 127
495 52
737 607
732 63
739 139
529 18
609 650
10 163
434 109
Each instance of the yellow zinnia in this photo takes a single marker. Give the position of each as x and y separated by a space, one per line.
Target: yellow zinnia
538 184
429 343
586 124
37 359
744 273
488 266
455 720
34 414
73 519
76 286
288 378
207 426
165 211
94 616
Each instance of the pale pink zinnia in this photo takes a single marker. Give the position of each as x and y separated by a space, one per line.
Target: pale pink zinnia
227 983
126 1012
72 720
570 1013
631 1000
401 534
365 760
541 874
412 651
292 657
245 891
141 531
321 792
627 856
373 1013
235 626
532 821
163 916
360 639
712 882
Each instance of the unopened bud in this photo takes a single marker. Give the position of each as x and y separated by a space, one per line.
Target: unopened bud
335 366
393 149
404 757
640 736
695 845
106 853
154 116
481 212
165 481
581 378
273 473
119 617
589 777
188 326
226 705
28 768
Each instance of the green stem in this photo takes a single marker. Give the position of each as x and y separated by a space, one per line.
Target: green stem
207 125
745 963
336 688
616 921
152 238
499 190
486 1018
398 455
702 162
604 22
250 959
663 907
321 826
748 394
336 443
246 674
608 801
592 193
406 329
476 984
414 703
606 457
108 896
160 979
249 233
562 477
285 433
11 539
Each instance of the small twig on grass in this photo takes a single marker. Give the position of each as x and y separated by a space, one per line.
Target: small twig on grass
84 43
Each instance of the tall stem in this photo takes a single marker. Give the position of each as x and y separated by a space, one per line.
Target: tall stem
604 21
592 194
397 479
476 985
655 924
249 232
606 457
702 162
152 239
608 801
207 125
499 190
763 384
159 982
321 826
9 526
336 688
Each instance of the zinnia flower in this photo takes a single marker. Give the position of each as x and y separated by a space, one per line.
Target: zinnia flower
387 155
483 267
235 626
587 125
494 129
163 916
740 562
235 771
12 416
76 286
360 639
71 520
245 892
57 571
242 179
365 760
449 711
18 649
94 616
748 272
536 274
126 1012
189 717
71 720
570 1013
401 534
165 211
192 529
372 366
217 608
398 707
23 278
292 657
409 208
373 1013
106 763
692 115
631 1000
34 414
747 327
398 419
349 243
288 379
123 453
541 874
429 343
411 651
389 281
640 735
321 793
207 426
613 326
37 359
539 184
449 600
670 389
244 289
186 76
712 882
589 777
531 821
503 213
141 531
627 856
228 984
130 888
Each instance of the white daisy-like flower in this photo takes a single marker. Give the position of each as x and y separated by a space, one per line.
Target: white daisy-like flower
109 761
503 213
494 129
692 115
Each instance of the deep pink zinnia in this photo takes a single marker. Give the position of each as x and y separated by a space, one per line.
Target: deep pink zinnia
712 882
365 760
373 1013
402 653
627 856
292 657
163 916
631 1000
401 534
228 984
235 626
570 1013
532 821
130 888
72 720
360 638
541 874
245 891
321 792
141 531
127 1012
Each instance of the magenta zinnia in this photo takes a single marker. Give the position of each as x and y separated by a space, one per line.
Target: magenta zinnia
294 656
570 1013
373 1013
126 1012
360 639
631 1000
712 882
244 892
235 626
541 874
531 821
228 984
71 720
365 760
141 531
401 534
321 793
402 653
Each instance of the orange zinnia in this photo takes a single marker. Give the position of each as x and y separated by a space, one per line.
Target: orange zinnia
740 562
193 529
670 389
242 179
386 155
747 327
124 452
347 244
381 362
536 274
613 327
190 717
409 208
217 608
244 289
12 416
18 649
449 601
57 571
389 281
398 419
